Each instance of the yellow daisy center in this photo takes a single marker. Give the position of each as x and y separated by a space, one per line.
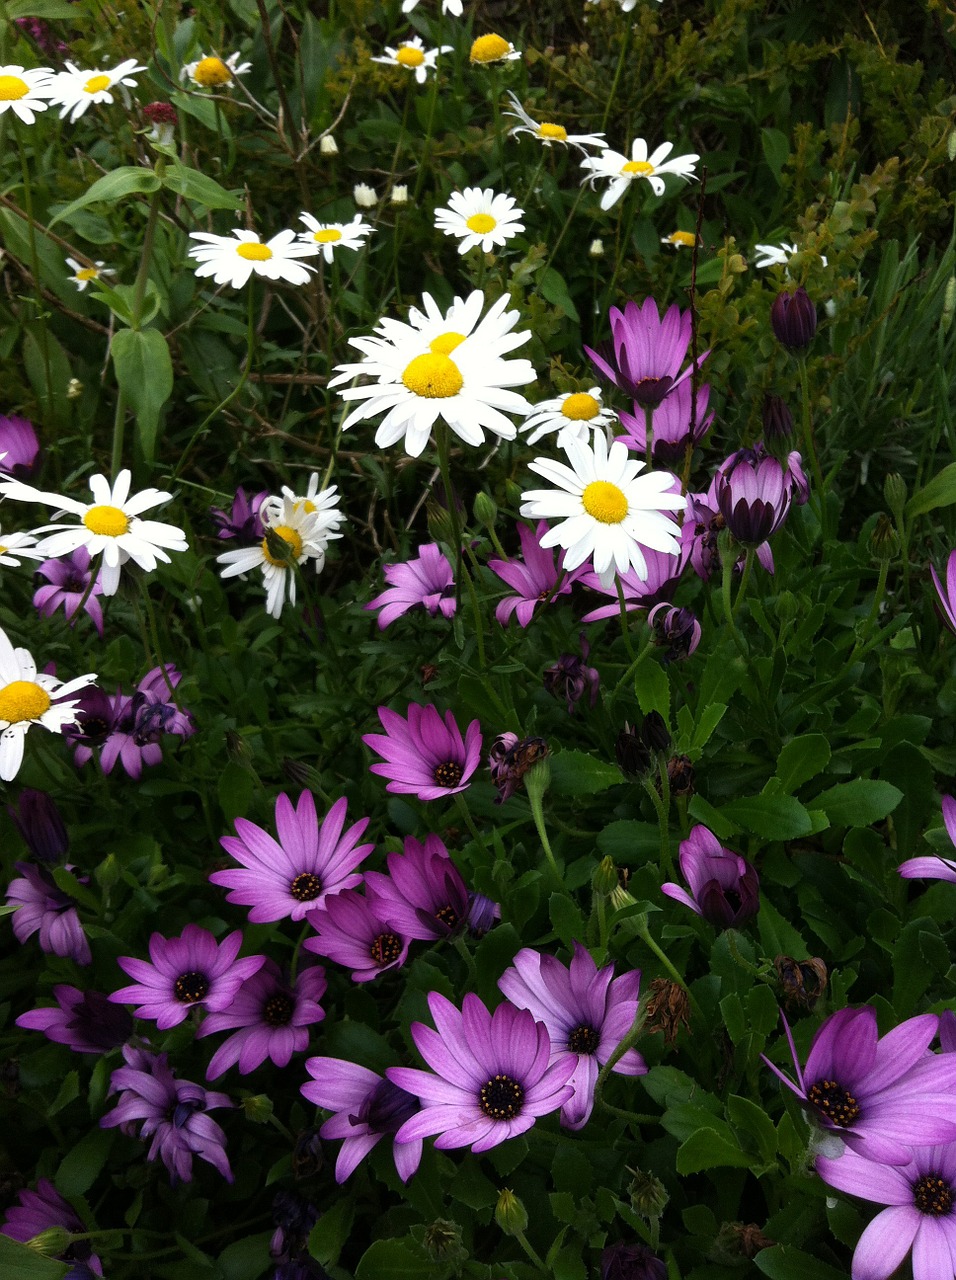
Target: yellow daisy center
96 84
4 550
446 343
12 88
86 273
555 131
640 167
581 407
434 376
328 235
253 251
211 71
489 49
605 502
109 522
23 700
409 55
685 238
292 540
481 223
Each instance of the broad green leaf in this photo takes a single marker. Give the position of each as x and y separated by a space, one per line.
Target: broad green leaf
859 803
144 371
776 150
50 10
939 492
235 789
81 1165
127 180
801 759
574 773
707 1149
653 689
246 1259
393 1258
193 185
22 1263
751 1119
35 363
552 287
783 1262
566 919
769 816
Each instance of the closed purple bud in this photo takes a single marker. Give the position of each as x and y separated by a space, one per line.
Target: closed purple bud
724 887
631 1262
483 914
38 820
793 318
777 424
677 631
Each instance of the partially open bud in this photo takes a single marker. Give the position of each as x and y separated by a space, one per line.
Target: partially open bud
884 540
605 879
442 1239
648 1195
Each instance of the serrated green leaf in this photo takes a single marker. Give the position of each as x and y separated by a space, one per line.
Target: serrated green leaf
859 803
144 371
769 816
707 1149
653 689
801 759
574 773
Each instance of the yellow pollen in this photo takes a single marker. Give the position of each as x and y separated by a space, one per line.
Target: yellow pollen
23 700
12 88
109 522
489 49
211 71
87 273
253 251
685 238
555 131
605 502
640 167
433 376
328 235
96 83
581 407
446 343
292 540
304 505
4 550
481 223
409 55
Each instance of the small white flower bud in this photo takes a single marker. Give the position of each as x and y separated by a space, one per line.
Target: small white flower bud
364 195
328 145
399 195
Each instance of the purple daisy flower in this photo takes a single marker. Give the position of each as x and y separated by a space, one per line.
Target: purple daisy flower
273 1016
354 932
423 896
243 520
288 878
428 581
936 866
569 677
663 574
947 595
490 1077
38 820
424 755
878 1096
19 442
645 354
670 427
367 1108
724 887
142 720
42 1209
45 909
68 584
85 1021
534 576
193 970
587 1012
97 715
754 494
921 1216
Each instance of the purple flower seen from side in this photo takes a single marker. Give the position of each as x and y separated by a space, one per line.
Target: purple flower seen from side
67 584
587 1012
289 877
353 931
879 1096
39 822
97 715
18 441
754 493
537 576
44 909
645 353
193 970
570 677
38 1211
243 520
491 1075
427 582
367 1108
677 631
423 896
663 574
672 431
272 1016
793 318
85 1021
935 866
724 887
946 596
424 754
143 720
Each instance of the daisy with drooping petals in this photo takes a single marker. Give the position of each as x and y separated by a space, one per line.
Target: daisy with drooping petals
414 57
548 134
110 523
26 698
608 511
25 91
82 276
425 755
621 172
480 217
211 72
328 237
492 48
574 415
233 261
75 90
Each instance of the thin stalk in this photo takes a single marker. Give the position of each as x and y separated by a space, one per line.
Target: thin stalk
807 426
444 465
35 267
744 577
648 434
625 620
625 46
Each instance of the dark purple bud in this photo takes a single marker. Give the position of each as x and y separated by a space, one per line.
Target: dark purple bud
632 755
569 677
387 1108
654 732
777 424
38 820
793 318
677 631
631 1262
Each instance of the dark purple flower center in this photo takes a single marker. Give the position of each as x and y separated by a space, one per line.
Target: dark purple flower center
584 1039
933 1195
75 583
835 1102
278 1010
386 1109
448 774
501 1097
306 886
649 392
386 948
447 916
191 987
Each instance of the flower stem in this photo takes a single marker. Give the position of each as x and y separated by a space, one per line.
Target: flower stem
808 429
444 465
35 268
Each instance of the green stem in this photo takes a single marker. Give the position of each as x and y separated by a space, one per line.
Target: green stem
662 806
461 946
535 796
629 673
529 1250
119 427
745 576
35 268
476 616
645 936
648 434
443 444
625 620
625 45
872 615
728 558
427 141
808 430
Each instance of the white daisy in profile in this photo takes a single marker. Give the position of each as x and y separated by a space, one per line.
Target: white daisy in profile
548 134
25 91
447 367
84 275
621 172
608 511
454 7
233 261
680 240
576 415
212 72
413 56
480 217
74 90
777 255
492 48
26 698
109 524
328 237
17 546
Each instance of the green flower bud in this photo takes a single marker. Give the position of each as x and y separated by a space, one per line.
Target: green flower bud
442 1239
510 1214
884 540
258 1107
486 510
648 1195
51 1243
894 491
108 872
605 878
440 524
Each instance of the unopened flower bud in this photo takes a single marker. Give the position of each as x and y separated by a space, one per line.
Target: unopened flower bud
538 779
364 195
510 1214
632 755
399 194
604 880
301 774
442 1239
107 873
654 732
894 492
440 525
884 540
486 510
51 1243
949 302
777 426
328 146
793 318
786 607
308 1157
597 249
74 389
680 774
676 630
483 914
258 1108
648 1195
38 820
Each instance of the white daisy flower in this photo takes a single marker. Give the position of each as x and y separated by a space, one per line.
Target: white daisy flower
74 90
608 512
233 261
25 91
492 48
211 72
364 195
440 366
327 237
454 7
324 505
480 217
413 56
17 546
82 276
777 255
680 239
109 524
548 134
621 172
26 698
574 416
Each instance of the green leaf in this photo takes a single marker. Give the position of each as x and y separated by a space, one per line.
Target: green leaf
144 371
127 180
629 841
330 1233
859 803
235 789
69 1091
394 1259
783 1262
653 689
18 1260
35 363
747 1117
776 150
246 1259
707 1149
769 816
939 492
552 287
81 1165
51 10
801 759
574 773
707 722
715 820
193 185
566 919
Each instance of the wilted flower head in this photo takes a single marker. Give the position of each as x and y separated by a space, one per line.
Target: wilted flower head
509 760
569 677
677 631
724 887
802 982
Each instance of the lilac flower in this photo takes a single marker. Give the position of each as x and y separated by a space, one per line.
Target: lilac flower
423 896
670 426
97 715
68 584
193 970
243 520
645 354
509 760
793 318
425 756
921 1196
367 1108
38 820
19 442
483 914
935 867
724 887
273 1016
45 909
428 581
143 720
700 531
288 878
534 577
663 574
42 1209
753 494
85 1021
173 1113
947 595
587 1012
877 1096
631 1262
569 677
676 630
354 932
490 1076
